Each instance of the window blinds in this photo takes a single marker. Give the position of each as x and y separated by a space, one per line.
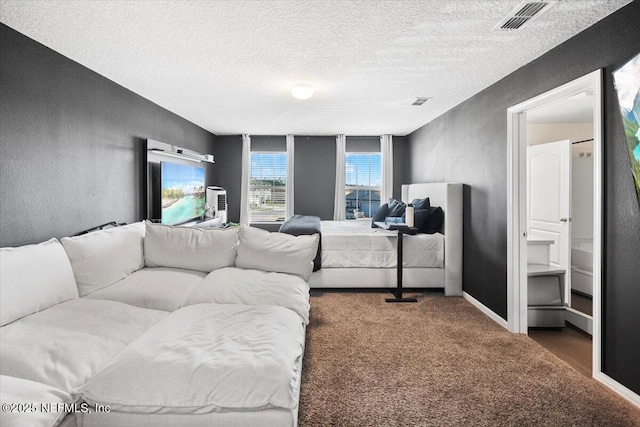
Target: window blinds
363 181
268 187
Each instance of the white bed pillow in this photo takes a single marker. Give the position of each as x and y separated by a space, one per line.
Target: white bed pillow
29 395
32 278
102 258
189 248
277 252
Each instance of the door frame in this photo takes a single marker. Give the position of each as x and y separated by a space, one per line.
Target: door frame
516 205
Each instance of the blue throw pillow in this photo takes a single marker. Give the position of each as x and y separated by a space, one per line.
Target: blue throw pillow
379 215
396 208
421 203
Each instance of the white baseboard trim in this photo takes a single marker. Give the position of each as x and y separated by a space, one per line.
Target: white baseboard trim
618 388
579 320
483 308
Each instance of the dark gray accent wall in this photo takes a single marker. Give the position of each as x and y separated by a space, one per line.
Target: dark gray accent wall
315 175
401 162
362 144
73 144
469 144
268 143
228 172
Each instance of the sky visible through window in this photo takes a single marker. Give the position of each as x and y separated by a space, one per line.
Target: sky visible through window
363 169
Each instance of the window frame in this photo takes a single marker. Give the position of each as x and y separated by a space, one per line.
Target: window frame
350 188
286 176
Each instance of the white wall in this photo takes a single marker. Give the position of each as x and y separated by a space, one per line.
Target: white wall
550 132
582 197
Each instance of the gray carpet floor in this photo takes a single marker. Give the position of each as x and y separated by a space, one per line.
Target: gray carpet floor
438 362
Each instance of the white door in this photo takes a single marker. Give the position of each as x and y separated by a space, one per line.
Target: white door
549 201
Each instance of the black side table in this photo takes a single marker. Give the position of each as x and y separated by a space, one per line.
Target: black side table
398 291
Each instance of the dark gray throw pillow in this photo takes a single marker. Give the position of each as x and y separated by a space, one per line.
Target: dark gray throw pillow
430 220
396 207
379 215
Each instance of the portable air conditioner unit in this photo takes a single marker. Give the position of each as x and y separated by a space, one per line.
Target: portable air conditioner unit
217 202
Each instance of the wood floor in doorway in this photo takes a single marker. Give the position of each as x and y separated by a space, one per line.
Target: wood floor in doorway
569 344
582 303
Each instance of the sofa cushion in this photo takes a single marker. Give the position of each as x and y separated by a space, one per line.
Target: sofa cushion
42 405
189 248
205 358
278 252
103 257
30 395
235 285
158 288
32 278
68 343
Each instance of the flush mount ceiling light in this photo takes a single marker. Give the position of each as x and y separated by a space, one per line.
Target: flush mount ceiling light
302 91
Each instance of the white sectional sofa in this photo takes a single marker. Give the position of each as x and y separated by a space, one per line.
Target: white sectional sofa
151 325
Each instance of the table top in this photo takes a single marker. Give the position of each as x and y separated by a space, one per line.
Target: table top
404 228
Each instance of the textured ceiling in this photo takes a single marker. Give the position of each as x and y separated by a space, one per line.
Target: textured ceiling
228 65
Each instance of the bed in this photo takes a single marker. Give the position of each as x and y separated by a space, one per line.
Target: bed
356 256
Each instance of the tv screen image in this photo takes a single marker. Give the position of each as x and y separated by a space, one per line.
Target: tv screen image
183 193
627 82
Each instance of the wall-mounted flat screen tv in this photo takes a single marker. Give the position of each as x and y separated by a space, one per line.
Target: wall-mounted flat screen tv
183 193
627 80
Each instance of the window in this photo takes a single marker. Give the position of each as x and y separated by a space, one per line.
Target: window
267 187
363 179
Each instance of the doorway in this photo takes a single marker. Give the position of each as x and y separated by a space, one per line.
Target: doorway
559 104
559 140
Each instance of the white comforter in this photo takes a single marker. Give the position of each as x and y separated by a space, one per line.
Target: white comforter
205 358
252 287
354 244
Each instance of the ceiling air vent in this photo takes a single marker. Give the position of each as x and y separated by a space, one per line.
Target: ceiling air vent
525 13
421 100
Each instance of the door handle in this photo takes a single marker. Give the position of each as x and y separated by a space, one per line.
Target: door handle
566 219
